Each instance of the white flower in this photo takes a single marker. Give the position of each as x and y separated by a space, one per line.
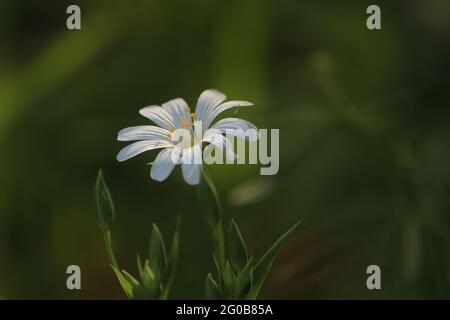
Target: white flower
175 116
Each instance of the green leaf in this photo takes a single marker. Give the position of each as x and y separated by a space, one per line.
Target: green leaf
169 275
139 293
157 253
126 286
219 244
216 263
244 280
229 280
212 290
104 206
265 263
139 264
132 280
237 248
150 281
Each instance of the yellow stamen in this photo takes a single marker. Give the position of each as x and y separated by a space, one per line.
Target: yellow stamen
169 135
184 123
193 115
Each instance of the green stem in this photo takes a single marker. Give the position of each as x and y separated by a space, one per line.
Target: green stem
215 220
109 249
219 244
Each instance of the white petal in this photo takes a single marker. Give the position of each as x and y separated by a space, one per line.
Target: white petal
237 127
163 165
208 100
141 146
191 173
191 167
159 116
212 114
192 155
221 143
143 133
180 113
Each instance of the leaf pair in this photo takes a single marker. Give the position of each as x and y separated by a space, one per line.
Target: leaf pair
240 278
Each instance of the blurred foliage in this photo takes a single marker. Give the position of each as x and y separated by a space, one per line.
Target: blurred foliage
364 128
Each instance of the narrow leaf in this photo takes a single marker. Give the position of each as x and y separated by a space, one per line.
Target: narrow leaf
169 274
228 281
157 254
150 281
244 280
216 263
104 206
237 248
132 280
212 290
138 292
265 263
126 286
139 265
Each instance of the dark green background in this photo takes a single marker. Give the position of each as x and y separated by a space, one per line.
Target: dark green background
364 126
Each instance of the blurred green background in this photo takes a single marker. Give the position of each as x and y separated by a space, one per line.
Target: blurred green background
364 129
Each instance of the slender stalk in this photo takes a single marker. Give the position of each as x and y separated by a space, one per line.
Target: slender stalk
219 244
109 249
214 218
